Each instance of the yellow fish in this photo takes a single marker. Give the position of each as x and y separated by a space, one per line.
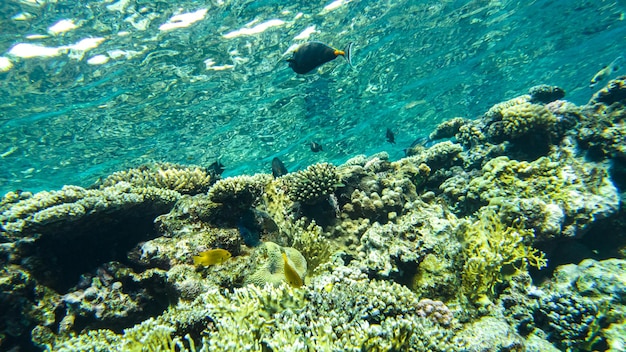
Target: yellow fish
291 275
210 257
605 72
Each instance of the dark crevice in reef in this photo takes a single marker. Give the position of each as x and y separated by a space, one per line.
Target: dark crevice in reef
600 243
57 260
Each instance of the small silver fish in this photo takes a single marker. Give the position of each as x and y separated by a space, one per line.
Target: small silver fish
605 72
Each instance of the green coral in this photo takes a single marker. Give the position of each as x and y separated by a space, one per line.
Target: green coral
490 246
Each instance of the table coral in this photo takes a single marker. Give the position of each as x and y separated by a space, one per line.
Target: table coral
50 211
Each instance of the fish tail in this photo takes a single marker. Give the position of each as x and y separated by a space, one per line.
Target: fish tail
197 260
348 53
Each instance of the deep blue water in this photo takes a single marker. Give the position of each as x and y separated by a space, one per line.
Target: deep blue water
69 118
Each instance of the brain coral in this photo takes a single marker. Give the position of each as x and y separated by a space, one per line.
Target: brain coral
270 266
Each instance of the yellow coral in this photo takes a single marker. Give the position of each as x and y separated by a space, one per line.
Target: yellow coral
517 118
489 246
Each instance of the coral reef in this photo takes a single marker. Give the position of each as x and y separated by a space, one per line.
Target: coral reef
614 92
180 178
490 246
520 120
444 249
313 184
559 195
52 211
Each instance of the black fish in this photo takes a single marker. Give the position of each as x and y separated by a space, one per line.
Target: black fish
311 55
278 168
249 229
391 138
216 168
316 147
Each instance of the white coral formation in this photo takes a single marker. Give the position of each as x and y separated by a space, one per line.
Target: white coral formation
183 179
239 189
73 203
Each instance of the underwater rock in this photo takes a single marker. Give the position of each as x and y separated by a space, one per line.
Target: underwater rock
115 298
545 94
615 91
492 332
404 249
568 319
583 191
603 281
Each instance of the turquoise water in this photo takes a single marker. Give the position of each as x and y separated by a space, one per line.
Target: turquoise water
118 88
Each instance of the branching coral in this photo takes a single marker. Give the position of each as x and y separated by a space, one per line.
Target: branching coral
183 179
239 191
489 247
311 241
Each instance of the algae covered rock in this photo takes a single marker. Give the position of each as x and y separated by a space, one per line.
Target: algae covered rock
583 192
545 94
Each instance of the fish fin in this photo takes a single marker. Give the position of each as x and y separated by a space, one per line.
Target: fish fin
348 53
